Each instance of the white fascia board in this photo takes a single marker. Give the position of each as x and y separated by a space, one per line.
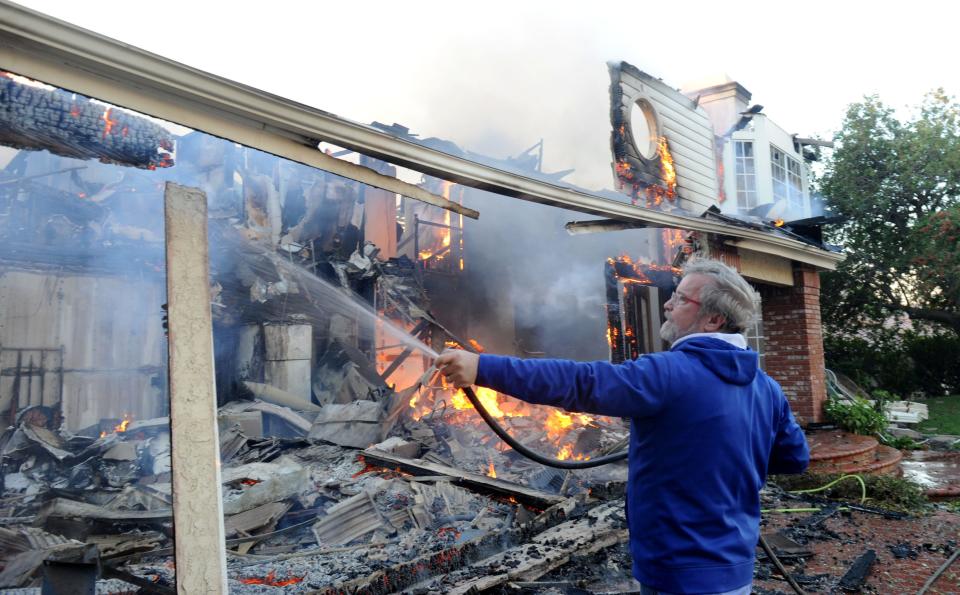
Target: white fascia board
38 46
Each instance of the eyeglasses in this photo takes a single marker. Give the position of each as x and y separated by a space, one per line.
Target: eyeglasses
681 300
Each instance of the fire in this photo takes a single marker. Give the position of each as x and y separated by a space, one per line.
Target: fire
779 222
108 123
491 470
672 238
489 398
443 531
558 423
566 452
249 482
120 427
271 580
666 165
476 345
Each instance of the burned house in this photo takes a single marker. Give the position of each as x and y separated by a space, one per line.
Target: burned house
219 310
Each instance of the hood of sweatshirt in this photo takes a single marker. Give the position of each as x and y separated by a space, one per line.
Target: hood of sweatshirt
729 362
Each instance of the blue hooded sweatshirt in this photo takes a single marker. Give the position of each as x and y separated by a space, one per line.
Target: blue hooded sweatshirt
707 425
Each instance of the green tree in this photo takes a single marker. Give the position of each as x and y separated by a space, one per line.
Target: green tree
897 183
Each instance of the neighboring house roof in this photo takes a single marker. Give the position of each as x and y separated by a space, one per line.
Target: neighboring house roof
40 47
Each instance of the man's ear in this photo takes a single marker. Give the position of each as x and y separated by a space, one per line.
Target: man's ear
714 323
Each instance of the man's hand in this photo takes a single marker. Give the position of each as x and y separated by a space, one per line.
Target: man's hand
458 367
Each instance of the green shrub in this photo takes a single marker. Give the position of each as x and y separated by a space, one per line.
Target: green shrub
857 416
901 362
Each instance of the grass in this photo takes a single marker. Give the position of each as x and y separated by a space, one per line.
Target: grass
944 416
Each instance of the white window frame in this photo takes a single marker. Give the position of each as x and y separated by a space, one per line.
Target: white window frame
746 177
786 175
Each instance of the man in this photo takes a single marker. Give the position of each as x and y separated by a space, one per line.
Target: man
707 425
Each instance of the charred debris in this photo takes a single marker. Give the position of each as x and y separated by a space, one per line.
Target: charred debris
346 466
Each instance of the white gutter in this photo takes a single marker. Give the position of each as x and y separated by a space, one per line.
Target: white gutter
38 46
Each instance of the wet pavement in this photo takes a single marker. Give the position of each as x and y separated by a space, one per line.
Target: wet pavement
937 472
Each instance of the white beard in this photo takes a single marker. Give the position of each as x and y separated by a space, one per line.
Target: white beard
670 332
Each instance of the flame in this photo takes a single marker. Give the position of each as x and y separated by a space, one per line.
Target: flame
558 423
779 222
120 427
491 470
249 482
666 165
443 531
488 398
566 452
271 580
476 345
108 123
672 238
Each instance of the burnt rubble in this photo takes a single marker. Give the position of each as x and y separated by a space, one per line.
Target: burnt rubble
346 465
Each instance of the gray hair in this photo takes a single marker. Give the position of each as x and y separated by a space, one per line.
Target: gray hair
729 294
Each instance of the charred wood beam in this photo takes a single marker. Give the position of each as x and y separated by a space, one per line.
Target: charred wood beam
604 526
66 124
465 479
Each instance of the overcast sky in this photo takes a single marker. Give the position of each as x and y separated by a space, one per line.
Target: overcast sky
496 76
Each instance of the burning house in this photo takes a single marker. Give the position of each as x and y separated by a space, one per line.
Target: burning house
219 310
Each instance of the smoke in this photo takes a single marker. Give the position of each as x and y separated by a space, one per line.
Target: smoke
551 284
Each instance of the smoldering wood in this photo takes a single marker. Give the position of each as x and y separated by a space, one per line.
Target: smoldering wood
471 481
272 482
71 125
603 527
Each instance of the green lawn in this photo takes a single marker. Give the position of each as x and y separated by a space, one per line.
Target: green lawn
944 416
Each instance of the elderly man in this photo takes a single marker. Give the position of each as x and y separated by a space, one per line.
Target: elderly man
707 425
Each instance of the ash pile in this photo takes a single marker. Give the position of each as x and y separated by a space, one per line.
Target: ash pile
303 512
346 466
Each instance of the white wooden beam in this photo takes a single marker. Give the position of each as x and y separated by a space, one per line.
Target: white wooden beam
195 452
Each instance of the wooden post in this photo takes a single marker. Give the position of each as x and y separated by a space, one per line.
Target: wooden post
197 505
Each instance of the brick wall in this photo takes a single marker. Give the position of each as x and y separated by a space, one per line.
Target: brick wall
794 342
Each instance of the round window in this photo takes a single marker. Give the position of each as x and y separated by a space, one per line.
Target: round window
643 125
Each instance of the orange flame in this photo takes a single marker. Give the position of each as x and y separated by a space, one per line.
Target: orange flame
108 123
492 471
779 222
488 398
558 423
666 166
120 427
271 580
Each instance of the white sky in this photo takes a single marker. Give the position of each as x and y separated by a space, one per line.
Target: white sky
496 76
